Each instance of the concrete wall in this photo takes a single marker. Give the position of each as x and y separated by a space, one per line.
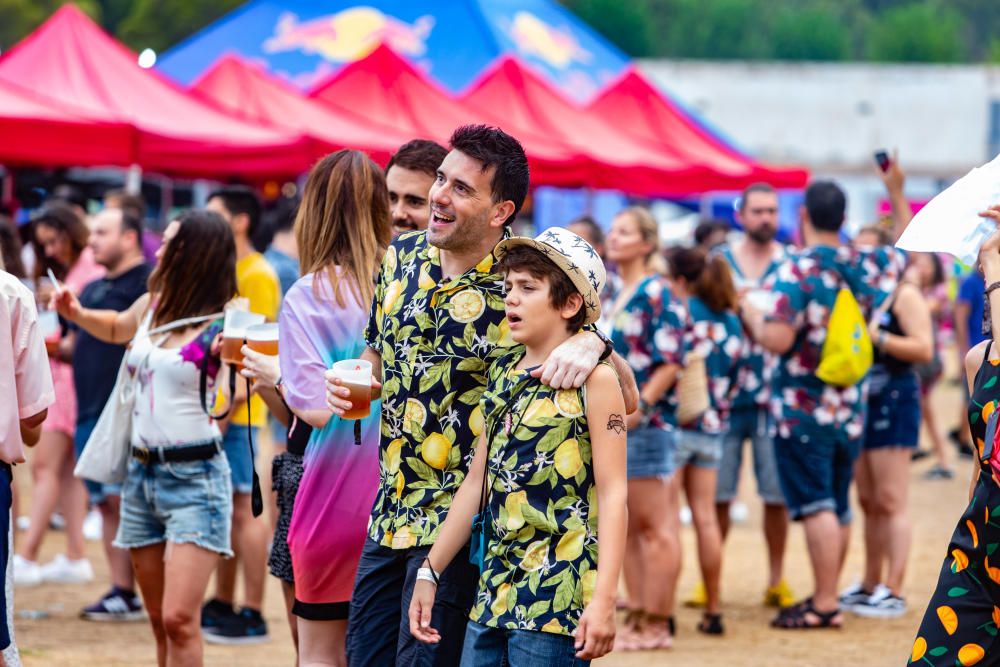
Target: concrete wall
832 117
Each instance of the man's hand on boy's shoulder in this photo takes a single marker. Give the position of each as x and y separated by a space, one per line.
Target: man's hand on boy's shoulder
570 364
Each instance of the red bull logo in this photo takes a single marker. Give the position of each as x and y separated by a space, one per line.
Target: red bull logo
554 46
350 34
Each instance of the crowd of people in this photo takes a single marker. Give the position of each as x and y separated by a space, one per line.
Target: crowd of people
448 513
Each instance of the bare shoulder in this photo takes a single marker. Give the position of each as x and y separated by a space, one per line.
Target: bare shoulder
973 360
602 378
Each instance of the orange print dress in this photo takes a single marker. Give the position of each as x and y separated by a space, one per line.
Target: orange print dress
962 621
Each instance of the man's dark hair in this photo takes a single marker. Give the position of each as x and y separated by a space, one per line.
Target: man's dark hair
132 223
126 201
825 204
766 188
561 288
493 147
592 227
69 193
240 199
277 218
418 155
706 228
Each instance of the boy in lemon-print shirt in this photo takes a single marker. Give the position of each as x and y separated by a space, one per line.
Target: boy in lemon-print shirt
546 459
258 283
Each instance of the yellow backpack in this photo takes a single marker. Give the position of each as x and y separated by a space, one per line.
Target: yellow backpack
847 351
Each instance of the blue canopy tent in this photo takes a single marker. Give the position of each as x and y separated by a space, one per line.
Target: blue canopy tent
305 40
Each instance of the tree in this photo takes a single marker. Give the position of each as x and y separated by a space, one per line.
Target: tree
810 33
625 24
20 17
923 32
158 24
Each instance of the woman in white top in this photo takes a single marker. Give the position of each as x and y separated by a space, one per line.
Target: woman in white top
176 498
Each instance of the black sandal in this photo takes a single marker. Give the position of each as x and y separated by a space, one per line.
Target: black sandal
711 624
794 617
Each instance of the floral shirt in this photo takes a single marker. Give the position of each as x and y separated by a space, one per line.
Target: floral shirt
649 332
540 563
807 286
437 340
718 338
758 366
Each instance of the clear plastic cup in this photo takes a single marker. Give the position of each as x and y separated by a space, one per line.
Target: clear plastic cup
263 338
356 375
234 332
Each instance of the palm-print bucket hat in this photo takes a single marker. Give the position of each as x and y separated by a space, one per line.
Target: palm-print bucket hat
574 256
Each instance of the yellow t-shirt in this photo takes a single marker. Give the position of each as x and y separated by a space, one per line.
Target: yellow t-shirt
257 281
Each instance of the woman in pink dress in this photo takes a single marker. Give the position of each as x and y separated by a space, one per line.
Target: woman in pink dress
342 229
60 240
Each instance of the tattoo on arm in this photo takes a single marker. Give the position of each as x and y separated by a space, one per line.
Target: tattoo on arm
616 424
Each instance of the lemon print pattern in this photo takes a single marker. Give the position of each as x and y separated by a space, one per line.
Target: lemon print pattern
437 338
961 625
540 566
468 305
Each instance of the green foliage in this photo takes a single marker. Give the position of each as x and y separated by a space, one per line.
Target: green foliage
811 33
20 17
830 30
158 24
923 32
623 23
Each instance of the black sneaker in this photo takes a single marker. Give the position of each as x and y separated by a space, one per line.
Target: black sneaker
246 627
937 472
116 606
214 612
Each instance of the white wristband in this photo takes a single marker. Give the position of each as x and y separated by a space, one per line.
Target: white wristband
427 574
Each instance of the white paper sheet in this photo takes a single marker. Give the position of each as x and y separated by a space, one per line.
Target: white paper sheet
951 223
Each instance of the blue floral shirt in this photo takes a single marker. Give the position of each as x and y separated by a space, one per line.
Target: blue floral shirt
718 338
649 332
758 366
807 286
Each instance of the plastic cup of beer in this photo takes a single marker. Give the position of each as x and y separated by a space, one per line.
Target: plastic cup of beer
356 375
234 332
48 325
263 338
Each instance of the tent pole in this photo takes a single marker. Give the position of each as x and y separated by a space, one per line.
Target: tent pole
133 180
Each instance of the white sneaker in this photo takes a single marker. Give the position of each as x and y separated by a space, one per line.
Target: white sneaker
686 516
881 604
93 526
738 512
26 572
62 570
23 523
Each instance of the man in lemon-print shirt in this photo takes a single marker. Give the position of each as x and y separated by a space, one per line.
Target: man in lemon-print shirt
437 324
258 283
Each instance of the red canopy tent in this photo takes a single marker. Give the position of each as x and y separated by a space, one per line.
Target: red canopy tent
620 161
40 131
69 58
246 91
390 91
640 110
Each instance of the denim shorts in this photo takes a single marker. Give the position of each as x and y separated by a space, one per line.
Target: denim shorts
893 412
650 452
189 502
815 467
98 492
486 646
238 454
753 424
702 450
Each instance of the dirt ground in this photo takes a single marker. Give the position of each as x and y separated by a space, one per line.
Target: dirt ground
63 639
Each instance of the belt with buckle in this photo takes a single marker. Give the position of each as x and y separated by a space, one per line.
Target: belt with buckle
175 454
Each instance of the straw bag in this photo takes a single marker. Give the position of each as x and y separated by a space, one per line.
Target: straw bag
692 390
